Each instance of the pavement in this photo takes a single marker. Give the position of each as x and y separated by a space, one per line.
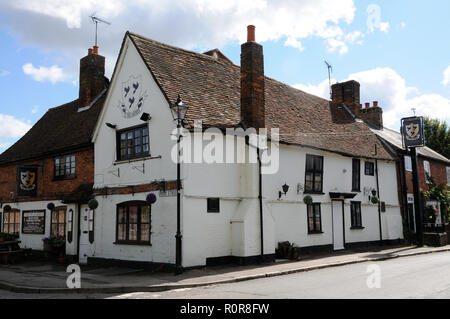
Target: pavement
44 277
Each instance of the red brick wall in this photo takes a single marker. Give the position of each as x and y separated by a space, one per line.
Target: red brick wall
48 188
438 173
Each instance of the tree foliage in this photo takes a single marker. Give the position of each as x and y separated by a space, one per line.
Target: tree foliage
437 136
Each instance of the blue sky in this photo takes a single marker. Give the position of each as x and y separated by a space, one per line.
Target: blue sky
398 50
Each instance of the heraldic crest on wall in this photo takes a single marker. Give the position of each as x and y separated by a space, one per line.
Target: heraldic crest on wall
27 181
132 97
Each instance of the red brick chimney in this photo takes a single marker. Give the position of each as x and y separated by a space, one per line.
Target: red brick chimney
92 77
347 93
372 115
252 82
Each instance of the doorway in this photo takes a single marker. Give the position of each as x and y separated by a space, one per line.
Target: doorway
338 225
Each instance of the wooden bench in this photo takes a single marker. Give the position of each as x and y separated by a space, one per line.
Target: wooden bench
10 251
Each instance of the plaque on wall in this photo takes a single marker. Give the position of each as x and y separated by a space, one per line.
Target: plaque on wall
33 222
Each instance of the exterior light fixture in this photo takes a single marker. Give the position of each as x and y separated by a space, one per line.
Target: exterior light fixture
285 188
50 206
179 110
145 117
113 126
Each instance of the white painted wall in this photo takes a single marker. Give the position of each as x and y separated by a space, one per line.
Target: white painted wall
34 241
107 168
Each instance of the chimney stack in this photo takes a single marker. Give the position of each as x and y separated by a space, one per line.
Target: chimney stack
372 115
347 93
252 82
92 77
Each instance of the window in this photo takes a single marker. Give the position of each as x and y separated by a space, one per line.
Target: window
426 168
133 223
213 205
369 169
356 214
11 222
448 175
133 143
65 166
408 164
356 175
314 219
58 222
314 174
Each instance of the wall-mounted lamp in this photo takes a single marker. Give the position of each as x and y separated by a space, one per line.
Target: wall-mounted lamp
285 188
113 126
145 117
373 197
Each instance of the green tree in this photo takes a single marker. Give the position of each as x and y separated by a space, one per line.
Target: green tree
437 135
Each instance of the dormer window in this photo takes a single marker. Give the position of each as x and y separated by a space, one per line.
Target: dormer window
133 143
65 167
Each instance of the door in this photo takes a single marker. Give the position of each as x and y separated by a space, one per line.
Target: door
84 234
338 225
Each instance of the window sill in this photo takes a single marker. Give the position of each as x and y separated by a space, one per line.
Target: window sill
315 232
131 243
356 191
313 193
357 228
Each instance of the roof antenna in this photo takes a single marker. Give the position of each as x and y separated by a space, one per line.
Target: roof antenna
330 70
414 111
96 20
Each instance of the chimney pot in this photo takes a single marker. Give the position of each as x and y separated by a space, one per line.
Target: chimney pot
375 103
251 33
89 51
95 51
367 105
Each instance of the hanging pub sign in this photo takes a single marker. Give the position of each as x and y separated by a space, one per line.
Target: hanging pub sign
33 222
27 181
412 132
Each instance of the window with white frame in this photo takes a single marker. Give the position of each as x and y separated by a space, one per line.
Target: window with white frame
408 163
448 175
426 168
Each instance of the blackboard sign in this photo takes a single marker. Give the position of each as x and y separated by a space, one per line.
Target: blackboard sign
33 222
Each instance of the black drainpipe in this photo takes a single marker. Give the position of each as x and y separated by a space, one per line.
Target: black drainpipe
261 206
79 231
379 203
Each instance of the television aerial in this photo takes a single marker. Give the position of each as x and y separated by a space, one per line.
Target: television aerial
97 20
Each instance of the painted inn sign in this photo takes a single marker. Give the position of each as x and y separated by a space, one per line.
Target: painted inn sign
412 132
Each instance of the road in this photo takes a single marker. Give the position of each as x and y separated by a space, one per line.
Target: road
425 276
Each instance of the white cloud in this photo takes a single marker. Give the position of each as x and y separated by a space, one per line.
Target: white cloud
35 109
10 127
63 26
334 45
384 27
294 43
446 80
397 99
53 74
403 25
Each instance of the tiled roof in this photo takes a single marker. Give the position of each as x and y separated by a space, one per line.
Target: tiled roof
61 129
210 85
395 139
